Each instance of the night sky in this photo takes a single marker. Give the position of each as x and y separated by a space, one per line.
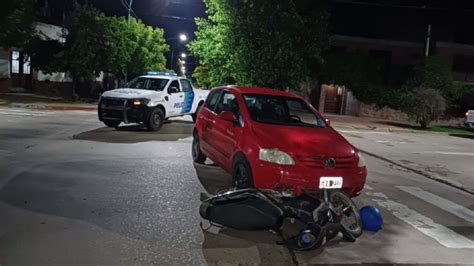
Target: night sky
175 16
404 20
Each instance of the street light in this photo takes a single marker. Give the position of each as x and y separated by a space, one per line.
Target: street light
182 37
183 55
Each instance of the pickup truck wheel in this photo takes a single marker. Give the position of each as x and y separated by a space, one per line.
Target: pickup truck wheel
242 173
198 156
111 123
155 119
194 116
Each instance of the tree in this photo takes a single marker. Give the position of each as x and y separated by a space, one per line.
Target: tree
201 74
149 53
427 105
97 43
16 23
272 43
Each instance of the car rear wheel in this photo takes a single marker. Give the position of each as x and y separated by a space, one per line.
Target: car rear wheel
111 123
155 120
198 156
242 173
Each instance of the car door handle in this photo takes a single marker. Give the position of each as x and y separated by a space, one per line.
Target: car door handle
180 96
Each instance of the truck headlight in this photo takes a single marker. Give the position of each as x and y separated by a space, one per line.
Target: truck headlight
275 156
138 102
361 157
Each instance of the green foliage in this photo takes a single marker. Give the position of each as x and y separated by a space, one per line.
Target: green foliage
150 49
272 43
426 105
95 43
202 77
16 23
432 72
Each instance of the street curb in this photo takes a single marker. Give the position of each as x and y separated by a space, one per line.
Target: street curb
55 107
467 190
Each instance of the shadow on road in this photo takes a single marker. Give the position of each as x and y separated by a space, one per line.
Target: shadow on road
171 131
212 177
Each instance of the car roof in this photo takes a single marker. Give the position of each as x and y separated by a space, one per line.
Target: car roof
258 90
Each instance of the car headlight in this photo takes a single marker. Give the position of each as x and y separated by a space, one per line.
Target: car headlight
361 162
275 156
138 102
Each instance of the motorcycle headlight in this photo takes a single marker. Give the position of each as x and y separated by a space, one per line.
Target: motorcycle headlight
361 162
275 156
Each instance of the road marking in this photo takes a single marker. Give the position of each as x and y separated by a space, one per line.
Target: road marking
364 132
440 233
442 203
451 153
426 225
24 112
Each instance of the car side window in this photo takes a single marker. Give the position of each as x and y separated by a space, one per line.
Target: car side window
186 85
174 83
212 99
228 102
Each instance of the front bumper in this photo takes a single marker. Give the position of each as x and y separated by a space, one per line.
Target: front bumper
298 178
121 110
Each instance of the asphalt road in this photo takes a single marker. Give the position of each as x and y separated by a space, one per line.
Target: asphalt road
74 192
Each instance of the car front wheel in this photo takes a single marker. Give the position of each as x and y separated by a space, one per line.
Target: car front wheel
242 173
155 119
198 156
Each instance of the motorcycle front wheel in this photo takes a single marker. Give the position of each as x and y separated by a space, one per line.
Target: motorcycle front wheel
351 217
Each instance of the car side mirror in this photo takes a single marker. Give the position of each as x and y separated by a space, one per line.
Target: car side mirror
328 122
173 90
229 116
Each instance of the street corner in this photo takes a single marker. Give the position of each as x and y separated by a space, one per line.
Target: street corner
172 130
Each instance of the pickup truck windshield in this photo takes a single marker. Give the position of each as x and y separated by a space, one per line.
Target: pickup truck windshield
154 84
281 110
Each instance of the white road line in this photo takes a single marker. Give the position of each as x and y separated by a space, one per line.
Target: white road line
449 206
24 113
363 132
427 226
440 233
451 153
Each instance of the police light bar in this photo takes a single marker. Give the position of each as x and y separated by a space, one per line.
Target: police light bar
154 73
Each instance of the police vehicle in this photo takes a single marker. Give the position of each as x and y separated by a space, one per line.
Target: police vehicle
150 100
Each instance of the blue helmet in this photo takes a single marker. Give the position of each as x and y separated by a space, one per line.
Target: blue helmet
372 219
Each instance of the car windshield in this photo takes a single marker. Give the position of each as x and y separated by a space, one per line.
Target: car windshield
155 84
281 110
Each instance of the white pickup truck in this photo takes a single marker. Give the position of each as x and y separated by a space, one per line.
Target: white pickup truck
149 100
469 122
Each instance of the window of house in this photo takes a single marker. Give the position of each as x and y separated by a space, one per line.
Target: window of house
15 62
26 65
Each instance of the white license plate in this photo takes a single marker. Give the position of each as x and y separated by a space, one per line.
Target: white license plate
330 182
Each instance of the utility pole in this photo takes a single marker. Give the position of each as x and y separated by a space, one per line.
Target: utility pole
129 10
129 14
428 41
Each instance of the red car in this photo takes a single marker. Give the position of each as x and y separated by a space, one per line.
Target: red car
271 139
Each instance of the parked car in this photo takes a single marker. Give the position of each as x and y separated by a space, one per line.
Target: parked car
150 99
469 121
272 139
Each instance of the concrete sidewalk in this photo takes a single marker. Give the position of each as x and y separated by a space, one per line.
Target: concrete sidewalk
41 102
363 123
